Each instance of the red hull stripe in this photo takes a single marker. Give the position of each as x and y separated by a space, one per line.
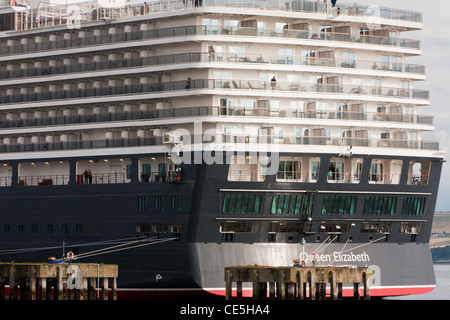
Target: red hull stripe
348 292
191 293
155 294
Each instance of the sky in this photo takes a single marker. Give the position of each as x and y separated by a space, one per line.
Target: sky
435 45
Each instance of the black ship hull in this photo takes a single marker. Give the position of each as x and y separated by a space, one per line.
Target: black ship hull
49 221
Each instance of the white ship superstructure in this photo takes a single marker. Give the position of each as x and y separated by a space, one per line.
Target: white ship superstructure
123 90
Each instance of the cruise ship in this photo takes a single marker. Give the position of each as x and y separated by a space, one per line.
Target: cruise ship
177 137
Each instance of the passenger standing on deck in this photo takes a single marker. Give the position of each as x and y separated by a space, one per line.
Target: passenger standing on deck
273 83
90 176
212 53
85 175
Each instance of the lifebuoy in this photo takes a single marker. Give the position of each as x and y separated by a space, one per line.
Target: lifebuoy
70 255
416 182
177 178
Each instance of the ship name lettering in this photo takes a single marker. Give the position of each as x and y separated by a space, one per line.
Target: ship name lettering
346 257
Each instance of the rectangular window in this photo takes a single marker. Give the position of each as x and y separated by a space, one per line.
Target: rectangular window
413 206
339 205
129 171
287 227
331 227
247 203
142 203
159 228
410 227
142 228
292 204
377 205
349 60
369 227
159 203
176 230
175 202
20 229
419 172
79 229
356 169
230 26
335 170
64 229
146 172
385 62
50 229
289 170
237 227
236 53
7 228
35 229
285 56
314 170
376 171
211 26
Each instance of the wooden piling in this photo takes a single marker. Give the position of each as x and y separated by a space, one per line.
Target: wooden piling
44 281
298 283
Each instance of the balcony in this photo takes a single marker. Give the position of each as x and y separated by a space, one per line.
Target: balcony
76 66
10 120
99 88
57 15
66 40
11 145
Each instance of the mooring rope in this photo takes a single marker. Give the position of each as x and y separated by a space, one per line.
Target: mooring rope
97 243
364 244
98 252
317 251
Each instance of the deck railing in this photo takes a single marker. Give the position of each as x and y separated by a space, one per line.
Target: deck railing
16 45
225 138
218 111
25 94
219 57
45 16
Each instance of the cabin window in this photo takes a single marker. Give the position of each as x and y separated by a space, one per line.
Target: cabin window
238 227
159 202
333 205
419 172
379 205
370 227
292 204
410 227
235 203
79 229
142 228
413 206
142 203
175 201
289 170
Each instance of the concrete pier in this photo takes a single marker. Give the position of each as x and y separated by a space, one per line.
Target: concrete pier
297 283
66 281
